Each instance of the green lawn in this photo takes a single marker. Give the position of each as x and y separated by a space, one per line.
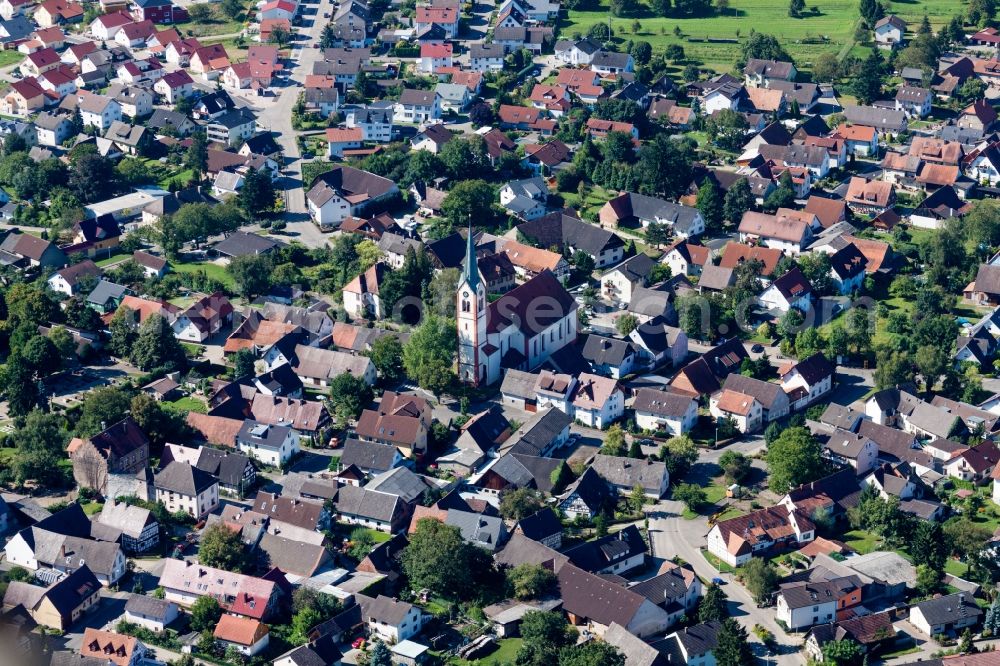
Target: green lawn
502 655
597 196
829 30
10 57
188 404
716 562
955 568
862 541
213 270
92 508
113 259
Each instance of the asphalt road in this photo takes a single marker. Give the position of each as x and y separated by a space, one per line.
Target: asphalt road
671 536
275 114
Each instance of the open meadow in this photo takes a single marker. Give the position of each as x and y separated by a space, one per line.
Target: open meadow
827 26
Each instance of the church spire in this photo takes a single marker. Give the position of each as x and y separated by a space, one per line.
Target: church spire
471 275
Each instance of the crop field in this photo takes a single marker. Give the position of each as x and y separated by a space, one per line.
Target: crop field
827 26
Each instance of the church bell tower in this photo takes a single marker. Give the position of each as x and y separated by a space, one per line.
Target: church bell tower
470 312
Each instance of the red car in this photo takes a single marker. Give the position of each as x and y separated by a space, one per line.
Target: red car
358 644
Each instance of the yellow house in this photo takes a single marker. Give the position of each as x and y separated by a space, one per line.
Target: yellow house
61 604
24 98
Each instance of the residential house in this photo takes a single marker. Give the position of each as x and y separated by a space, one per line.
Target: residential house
784 230
848 448
149 612
869 197
773 400
684 221
625 474
663 411
183 487
791 290
273 445
140 529
621 282
184 582
803 604
610 356
60 605
760 73
743 410
736 540
344 191
807 380
417 107
68 281
890 32
914 101
945 615
369 508
400 420
248 636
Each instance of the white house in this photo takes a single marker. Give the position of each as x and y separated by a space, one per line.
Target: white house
361 295
272 445
736 540
249 636
391 620
847 269
948 614
742 409
67 281
597 401
620 283
580 52
183 487
801 605
890 31
662 411
791 290
150 612
99 111
417 107
914 101
807 380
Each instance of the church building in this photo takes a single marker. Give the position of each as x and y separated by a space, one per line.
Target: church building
519 330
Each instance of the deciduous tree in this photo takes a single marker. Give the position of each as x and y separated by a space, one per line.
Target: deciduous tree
794 458
223 548
530 581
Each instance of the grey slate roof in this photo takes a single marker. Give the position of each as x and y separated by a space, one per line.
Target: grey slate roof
600 350
371 504
628 472
481 530
152 607
399 481
368 455
184 479
105 291
538 433
949 608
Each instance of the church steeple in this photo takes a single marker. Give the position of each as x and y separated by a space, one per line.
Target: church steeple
470 313
471 269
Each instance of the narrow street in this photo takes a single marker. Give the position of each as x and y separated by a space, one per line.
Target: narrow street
671 536
276 115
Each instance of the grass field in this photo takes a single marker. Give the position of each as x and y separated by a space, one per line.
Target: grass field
188 404
213 270
10 57
504 654
861 541
830 29
716 562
